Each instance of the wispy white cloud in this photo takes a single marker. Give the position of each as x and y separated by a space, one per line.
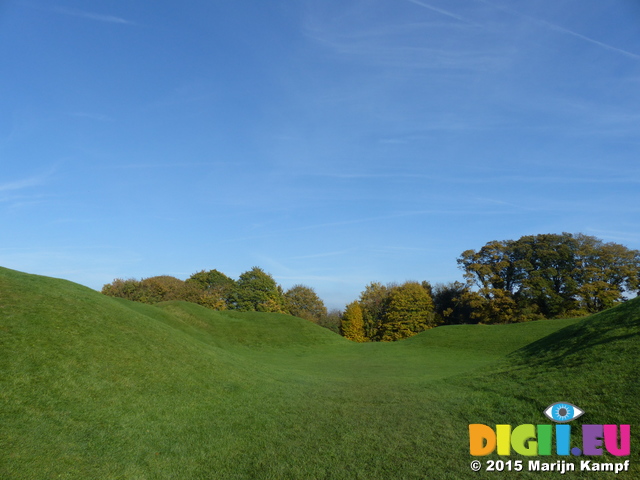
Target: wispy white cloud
627 178
414 57
558 28
399 248
92 16
151 165
25 192
439 10
395 44
464 210
20 202
615 235
355 221
23 183
91 116
321 255
341 279
397 30
92 265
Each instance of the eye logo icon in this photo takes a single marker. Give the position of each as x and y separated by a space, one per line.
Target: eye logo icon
562 412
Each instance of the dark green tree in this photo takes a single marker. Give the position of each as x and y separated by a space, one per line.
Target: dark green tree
450 304
547 263
302 301
257 291
332 320
494 266
211 279
605 273
214 289
548 276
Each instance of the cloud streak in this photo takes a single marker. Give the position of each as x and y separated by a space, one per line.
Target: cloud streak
91 116
560 29
321 255
93 16
629 178
21 184
590 40
411 45
439 10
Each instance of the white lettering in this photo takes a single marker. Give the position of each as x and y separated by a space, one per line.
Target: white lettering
589 466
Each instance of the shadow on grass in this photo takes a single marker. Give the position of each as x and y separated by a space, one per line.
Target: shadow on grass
612 328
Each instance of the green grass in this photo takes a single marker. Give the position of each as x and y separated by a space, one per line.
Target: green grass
93 387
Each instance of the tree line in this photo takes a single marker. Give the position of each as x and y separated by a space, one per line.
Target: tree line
507 281
254 291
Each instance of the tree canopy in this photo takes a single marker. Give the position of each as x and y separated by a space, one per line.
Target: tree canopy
257 291
215 288
161 288
548 275
303 302
409 311
352 326
392 312
533 277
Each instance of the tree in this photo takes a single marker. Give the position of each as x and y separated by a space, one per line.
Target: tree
161 288
428 287
548 276
492 267
604 273
373 301
128 289
214 289
409 311
257 291
332 320
547 262
352 325
303 302
450 305
148 290
211 280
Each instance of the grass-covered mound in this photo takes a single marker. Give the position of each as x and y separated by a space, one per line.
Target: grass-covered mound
595 361
95 387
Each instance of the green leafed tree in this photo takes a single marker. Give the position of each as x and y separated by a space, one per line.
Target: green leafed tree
121 288
605 273
409 311
302 301
257 291
162 288
547 284
450 303
549 276
373 301
211 279
148 290
214 289
332 320
492 267
352 324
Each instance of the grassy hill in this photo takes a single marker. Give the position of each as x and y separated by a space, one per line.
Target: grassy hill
97 387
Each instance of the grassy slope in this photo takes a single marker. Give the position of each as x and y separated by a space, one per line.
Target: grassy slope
94 387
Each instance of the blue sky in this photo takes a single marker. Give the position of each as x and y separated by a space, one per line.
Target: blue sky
332 143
